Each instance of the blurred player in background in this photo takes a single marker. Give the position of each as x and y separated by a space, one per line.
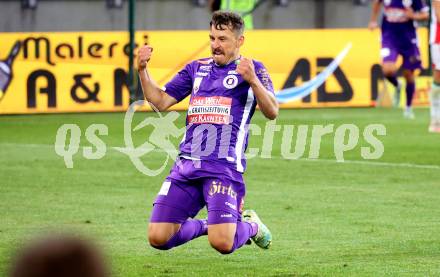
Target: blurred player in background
399 37
435 55
225 90
242 7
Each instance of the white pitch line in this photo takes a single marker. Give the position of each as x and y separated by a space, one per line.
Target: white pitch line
369 163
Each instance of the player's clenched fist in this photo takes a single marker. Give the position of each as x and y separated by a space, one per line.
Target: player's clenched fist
246 69
144 55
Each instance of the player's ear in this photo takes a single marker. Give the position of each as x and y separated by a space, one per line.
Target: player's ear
240 41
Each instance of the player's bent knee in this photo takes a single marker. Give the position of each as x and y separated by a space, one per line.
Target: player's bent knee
159 234
223 245
157 240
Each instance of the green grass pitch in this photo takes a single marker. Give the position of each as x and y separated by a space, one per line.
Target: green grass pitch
358 218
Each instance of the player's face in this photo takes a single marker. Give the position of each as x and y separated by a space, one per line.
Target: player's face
225 45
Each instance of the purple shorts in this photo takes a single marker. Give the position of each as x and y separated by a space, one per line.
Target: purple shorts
410 53
189 188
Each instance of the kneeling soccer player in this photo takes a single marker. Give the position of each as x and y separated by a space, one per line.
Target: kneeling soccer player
225 90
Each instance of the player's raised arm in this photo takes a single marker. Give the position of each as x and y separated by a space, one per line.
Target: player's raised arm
152 92
266 100
374 15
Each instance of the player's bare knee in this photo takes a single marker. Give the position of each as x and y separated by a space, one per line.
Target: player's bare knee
157 236
222 244
157 239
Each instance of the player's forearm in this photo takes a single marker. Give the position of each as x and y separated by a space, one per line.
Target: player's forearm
375 11
151 90
266 101
420 16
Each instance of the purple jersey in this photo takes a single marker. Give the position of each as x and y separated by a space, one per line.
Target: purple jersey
396 26
220 109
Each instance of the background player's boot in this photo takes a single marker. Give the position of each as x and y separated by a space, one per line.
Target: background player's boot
396 99
263 238
434 127
408 113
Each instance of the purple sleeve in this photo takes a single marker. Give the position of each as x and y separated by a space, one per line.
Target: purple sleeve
181 84
263 76
419 5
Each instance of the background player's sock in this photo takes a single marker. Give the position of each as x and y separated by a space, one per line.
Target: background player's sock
410 89
245 231
435 105
393 80
189 230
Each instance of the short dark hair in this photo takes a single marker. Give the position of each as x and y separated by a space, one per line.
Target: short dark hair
222 19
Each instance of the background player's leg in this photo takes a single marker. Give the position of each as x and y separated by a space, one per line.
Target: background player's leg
435 103
390 72
410 89
389 69
434 125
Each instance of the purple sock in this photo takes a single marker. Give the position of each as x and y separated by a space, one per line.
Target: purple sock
410 89
189 230
393 80
244 232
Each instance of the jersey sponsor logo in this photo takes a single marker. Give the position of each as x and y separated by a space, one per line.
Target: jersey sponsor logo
396 15
230 81
214 109
203 74
205 67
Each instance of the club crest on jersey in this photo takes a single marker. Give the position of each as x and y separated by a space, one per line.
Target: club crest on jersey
230 81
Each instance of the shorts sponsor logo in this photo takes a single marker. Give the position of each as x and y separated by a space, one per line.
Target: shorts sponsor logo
230 205
218 188
226 215
230 81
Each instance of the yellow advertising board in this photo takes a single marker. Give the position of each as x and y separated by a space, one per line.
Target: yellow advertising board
87 71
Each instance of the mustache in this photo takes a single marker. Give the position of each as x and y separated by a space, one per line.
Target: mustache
217 51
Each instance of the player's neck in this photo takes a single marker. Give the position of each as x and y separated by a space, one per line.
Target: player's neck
231 60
